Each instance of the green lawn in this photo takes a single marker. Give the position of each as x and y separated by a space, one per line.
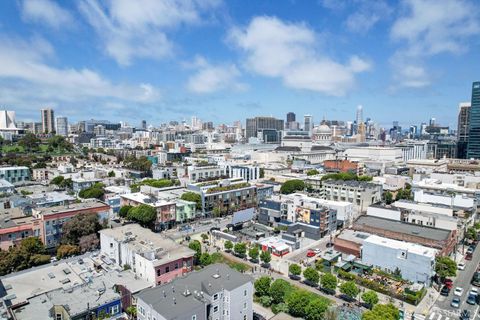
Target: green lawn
19 149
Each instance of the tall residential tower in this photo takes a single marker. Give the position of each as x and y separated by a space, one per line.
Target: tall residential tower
473 148
48 120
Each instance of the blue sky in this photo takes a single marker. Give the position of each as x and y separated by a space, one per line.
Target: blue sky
163 60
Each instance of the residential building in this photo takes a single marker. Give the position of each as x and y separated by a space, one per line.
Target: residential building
15 226
62 126
463 128
6 187
360 193
52 219
215 292
48 120
473 140
78 184
151 256
243 171
226 195
415 262
15 174
166 212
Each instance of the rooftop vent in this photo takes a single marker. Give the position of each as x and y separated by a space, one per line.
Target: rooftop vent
187 292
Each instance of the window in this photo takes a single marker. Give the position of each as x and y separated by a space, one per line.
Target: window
194 317
58 316
114 309
176 265
244 305
167 269
111 245
215 297
215 309
245 293
159 272
244 317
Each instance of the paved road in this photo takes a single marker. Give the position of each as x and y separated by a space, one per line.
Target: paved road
197 227
442 309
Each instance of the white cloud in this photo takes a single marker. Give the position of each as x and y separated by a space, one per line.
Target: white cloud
46 12
427 28
275 48
211 78
432 27
24 64
367 14
138 29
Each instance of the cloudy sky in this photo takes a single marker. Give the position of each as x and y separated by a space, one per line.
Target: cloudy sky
163 60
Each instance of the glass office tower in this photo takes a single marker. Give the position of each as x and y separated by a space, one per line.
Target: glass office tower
473 148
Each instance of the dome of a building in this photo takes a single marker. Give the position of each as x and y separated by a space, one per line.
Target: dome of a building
323 129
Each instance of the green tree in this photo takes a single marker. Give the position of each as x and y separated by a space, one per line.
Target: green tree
228 245
59 143
312 172
266 257
29 142
111 174
67 183
193 197
78 226
445 267
350 289
144 214
123 212
388 197
196 246
204 237
262 286
67 250
217 212
370 297
382 312
471 233
297 302
205 259
311 275
279 289
253 253
92 192
316 308
329 281
295 269
240 249
57 180
32 245
292 186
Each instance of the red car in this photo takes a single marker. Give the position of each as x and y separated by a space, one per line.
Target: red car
311 254
448 283
468 256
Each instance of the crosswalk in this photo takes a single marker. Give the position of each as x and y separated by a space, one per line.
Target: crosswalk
439 316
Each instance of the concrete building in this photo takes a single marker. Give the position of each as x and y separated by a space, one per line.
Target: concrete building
267 127
62 126
442 240
374 153
462 129
216 292
48 120
361 194
415 262
50 220
15 174
151 256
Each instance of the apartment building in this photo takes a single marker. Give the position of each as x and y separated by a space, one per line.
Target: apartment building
216 292
52 219
15 174
361 194
151 256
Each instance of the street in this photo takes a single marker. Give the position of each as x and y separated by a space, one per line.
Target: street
442 309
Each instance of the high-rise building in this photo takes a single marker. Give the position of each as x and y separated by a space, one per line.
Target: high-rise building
144 124
291 117
62 126
48 124
359 117
473 145
307 123
254 125
7 120
462 129
433 122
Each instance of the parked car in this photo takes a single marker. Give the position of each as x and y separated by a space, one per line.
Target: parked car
448 282
455 303
471 299
458 291
468 256
461 266
445 291
465 315
311 253
470 250
474 291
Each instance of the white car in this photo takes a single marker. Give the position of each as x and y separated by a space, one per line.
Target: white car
461 266
317 251
458 291
474 291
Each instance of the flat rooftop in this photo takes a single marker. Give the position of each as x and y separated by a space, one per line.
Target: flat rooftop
146 199
353 236
403 227
144 241
401 245
71 207
185 293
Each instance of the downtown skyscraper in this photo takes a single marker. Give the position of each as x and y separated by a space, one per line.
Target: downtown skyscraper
473 147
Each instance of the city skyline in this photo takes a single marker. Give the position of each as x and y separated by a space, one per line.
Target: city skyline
203 58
